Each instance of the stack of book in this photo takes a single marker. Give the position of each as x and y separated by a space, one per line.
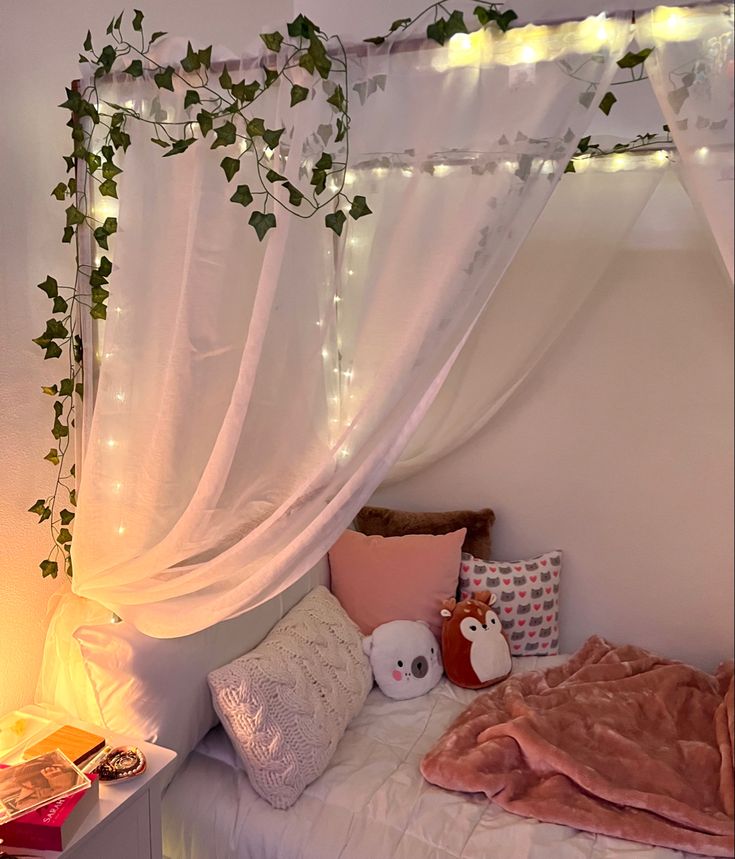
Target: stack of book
45 798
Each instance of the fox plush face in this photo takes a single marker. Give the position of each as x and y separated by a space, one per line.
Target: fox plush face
474 648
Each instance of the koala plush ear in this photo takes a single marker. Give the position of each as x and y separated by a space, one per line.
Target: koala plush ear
367 645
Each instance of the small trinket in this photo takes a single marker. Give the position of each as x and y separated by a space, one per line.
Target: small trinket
122 762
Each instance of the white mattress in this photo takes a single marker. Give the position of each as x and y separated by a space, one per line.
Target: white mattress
371 803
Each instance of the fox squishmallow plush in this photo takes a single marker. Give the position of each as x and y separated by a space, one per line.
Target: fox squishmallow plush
405 658
474 649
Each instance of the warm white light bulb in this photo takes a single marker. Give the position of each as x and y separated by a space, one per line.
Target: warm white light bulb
619 161
349 177
380 171
661 156
121 530
702 153
120 396
528 54
111 442
117 486
325 354
442 169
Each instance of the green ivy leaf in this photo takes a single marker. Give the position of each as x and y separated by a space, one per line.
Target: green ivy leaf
318 54
455 24
100 236
489 15
336 221
230 166
255 127
191 97
437 31
205 56
110 170
79 388
634 58
66 387
66 516
135 69
73 497
180 146
108 188
375 40
341 130
606 103
570 168
49 568
261 222
38 507
55 330
273 41
226 135
272 137
337 99
68 235
294 195
88 42
319 180
225 81
302 27
245 92
98 311
107 58
204 118
105 267
162 143
60 305
191 61
74 216
94 162
64 536
50 286
110 226
51 390
242 196
398 23
53 456
99 294
164 79
298 94
138 20
324 162
59 430
359 207
156 36
306 61
272 176
59 191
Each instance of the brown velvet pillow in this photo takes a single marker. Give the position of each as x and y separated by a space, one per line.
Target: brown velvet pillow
383 522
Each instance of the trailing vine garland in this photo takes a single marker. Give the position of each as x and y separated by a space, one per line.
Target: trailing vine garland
224 116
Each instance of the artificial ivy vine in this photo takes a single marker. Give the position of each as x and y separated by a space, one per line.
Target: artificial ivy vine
223 115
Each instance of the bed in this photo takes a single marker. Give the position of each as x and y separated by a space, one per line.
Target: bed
371 803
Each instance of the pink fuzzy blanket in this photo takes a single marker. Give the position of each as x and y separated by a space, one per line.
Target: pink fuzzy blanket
615 741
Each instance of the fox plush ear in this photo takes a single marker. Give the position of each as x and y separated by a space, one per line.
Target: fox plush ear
367 645
448 607
484 596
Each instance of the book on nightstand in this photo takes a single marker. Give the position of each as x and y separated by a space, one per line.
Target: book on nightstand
51 826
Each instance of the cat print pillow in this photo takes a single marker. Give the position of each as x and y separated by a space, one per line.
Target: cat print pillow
527 599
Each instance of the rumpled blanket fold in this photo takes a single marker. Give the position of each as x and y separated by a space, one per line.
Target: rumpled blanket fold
616 741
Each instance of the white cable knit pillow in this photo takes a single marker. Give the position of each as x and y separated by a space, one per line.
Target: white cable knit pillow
286 704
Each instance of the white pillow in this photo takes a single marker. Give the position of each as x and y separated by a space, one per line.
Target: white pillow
286 704
156 689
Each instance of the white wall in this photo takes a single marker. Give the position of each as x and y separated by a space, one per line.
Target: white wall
619 450
39 44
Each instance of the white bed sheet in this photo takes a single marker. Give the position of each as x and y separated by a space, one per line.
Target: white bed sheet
371 803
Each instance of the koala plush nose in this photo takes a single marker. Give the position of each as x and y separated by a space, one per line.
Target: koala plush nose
420 666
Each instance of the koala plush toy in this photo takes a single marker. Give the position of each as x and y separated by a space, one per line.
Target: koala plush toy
405 658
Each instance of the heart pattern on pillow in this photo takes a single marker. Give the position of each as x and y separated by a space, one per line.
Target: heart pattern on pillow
527 601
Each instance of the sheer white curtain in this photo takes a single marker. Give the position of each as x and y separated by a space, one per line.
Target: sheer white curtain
251 397
691 70
559 265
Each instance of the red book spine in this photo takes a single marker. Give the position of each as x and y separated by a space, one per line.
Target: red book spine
41 829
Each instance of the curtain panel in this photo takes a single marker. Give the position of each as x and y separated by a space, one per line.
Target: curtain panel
693 74
250 397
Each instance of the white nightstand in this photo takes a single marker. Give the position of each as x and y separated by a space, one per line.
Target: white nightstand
126 822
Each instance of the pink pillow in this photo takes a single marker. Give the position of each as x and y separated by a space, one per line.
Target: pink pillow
378 579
